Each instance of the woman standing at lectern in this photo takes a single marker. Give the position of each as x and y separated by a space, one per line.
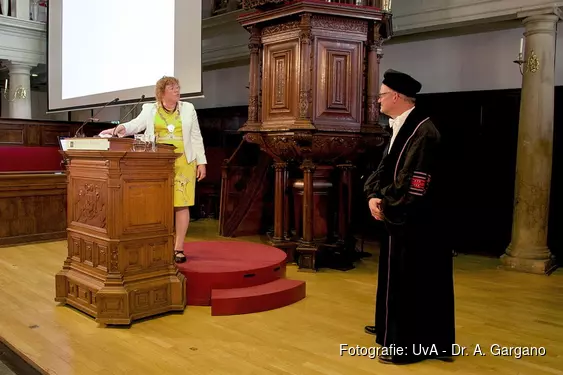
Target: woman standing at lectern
173 122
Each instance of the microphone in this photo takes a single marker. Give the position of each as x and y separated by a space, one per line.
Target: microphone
81 135
128 113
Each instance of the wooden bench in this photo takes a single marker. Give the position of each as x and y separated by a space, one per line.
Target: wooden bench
33 180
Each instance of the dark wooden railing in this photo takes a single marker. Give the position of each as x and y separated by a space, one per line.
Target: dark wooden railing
244 189
225 6
366 3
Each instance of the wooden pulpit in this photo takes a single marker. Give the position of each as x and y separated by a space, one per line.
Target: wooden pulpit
120 225
313 91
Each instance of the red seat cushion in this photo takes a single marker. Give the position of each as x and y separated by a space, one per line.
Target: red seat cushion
30 159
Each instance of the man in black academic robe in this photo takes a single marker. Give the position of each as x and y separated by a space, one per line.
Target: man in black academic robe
415 293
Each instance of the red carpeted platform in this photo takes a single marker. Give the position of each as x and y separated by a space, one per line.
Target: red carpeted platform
238 277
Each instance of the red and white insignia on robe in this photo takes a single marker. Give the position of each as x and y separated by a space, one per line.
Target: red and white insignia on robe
419 183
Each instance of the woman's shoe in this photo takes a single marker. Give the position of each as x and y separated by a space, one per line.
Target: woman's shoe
179 256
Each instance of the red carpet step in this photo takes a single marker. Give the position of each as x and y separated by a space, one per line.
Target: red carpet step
279 293
238 277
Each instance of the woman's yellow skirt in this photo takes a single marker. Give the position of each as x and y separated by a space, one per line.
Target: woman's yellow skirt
184 182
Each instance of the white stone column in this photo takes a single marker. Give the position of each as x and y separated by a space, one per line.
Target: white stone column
20 82
528 250
22 9
4 6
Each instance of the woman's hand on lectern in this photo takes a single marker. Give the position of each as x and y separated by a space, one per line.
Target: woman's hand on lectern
119 131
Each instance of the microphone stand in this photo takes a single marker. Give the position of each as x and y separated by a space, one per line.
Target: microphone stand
127 114
80 134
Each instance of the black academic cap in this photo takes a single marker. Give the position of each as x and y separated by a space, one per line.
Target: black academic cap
402 83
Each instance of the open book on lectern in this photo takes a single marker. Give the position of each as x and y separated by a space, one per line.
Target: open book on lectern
87 143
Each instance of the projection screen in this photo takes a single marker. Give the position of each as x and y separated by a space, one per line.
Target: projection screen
105 49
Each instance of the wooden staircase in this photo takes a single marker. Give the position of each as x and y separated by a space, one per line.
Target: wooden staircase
244 185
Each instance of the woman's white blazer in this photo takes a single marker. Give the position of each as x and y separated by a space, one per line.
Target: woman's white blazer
193 141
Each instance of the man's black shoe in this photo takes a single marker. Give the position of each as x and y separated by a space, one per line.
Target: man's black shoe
400 359
370 330
410 359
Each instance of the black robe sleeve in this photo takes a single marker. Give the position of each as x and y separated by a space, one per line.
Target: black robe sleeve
372 185
406 196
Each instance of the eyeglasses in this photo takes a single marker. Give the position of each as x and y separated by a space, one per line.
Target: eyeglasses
380 95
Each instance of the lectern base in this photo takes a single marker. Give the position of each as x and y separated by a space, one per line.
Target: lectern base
121 302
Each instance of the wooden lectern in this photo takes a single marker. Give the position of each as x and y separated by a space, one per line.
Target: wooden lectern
120 264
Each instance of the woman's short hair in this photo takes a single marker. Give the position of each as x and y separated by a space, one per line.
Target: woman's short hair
161 86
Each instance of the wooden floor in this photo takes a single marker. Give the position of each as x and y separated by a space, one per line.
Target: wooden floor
493 307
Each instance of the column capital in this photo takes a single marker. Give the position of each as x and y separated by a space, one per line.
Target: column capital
346 166
540 24
19 67
308 165
280 165
543 14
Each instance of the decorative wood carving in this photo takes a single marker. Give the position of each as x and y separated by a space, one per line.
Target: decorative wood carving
319 101
280 92
338 24
120 234
90 202
338 104
276 30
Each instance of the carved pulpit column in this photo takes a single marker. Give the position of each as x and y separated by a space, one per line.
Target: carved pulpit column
345 202
375 53
306 246
305 38
225 188
528 250
286 210
279 210
254 76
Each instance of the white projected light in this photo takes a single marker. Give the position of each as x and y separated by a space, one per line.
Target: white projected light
106 49
86 73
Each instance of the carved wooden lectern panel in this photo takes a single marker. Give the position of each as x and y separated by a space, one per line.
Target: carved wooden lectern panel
90 203
141 205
